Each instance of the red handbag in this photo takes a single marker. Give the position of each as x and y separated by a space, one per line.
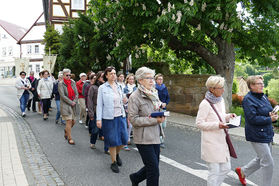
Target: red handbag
228 139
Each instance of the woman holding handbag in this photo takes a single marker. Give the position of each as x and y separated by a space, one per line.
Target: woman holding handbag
211 120
44 90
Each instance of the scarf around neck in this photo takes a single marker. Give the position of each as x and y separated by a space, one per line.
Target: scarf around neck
31 78
213 99
71 92
130 88
152 95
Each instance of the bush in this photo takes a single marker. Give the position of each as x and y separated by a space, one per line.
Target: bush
236 100
234 86
238 111
267 77
273 91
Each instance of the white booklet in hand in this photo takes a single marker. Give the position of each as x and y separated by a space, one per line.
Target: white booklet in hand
234 122
276 109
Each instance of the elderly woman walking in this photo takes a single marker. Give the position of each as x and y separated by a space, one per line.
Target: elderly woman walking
111 117
214 148
68 103
147 130
259 131
44 89
23 86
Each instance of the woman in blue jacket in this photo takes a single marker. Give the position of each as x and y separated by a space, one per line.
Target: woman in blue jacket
259 131
111 117
164 98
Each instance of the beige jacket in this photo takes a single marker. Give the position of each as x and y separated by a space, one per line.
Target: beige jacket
65 103
146 129
214 148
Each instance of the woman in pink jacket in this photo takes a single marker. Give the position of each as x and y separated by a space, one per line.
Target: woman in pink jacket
214 149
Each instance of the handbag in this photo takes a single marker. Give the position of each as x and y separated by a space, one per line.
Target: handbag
228 139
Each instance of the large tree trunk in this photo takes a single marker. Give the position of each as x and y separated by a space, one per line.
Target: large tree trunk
225 68
223 62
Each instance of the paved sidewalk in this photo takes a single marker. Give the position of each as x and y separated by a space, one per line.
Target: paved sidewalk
22 161
7 81
186 120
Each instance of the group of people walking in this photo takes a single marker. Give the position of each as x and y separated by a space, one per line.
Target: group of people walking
112 108
215 148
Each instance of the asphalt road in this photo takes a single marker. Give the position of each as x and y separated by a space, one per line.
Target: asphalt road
79 165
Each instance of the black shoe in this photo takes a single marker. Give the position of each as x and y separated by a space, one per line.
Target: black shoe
34 111
107 152
132 180
114 167
118 160
28 109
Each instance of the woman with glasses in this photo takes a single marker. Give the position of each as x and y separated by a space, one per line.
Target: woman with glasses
44 90
23 86
147 130
111 116
214 148
258 131
68 103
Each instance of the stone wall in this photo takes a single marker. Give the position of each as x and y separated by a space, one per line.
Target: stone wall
186 92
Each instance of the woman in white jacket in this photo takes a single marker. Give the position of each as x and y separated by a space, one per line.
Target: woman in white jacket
23 94
214 149
44 90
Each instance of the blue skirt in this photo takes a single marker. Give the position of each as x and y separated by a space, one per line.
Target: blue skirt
115 131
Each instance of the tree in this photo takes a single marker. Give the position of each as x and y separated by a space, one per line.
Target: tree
273 90
51 40
83 48
213 31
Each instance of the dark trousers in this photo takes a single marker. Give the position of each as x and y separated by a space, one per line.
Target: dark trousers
150 155
46 105
94 131
33 100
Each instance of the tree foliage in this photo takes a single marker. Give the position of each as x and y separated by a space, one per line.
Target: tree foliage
273 90
51 40
208 31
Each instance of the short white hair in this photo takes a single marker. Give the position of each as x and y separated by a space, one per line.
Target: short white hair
213 81
60 74
66 70
141 73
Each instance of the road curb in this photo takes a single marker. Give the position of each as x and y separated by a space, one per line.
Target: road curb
38 169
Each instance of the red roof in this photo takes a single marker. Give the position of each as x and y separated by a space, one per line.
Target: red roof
13 30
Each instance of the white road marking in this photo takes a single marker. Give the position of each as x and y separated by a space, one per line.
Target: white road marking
199 173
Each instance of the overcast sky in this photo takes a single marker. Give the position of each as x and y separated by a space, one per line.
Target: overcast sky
21 12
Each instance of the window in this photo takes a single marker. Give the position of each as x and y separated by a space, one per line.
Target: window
37 49
29 49
10 51
30 68
4 51
77 4
37 68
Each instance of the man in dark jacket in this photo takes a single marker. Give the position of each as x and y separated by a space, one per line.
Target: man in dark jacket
33 89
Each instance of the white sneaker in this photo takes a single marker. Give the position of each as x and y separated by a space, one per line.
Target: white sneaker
80 121
23 114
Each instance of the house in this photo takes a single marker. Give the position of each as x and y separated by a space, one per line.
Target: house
10 34
19 42
31 45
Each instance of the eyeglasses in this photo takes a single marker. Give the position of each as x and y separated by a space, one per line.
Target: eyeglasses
259 84
218 87
150 78
68 75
